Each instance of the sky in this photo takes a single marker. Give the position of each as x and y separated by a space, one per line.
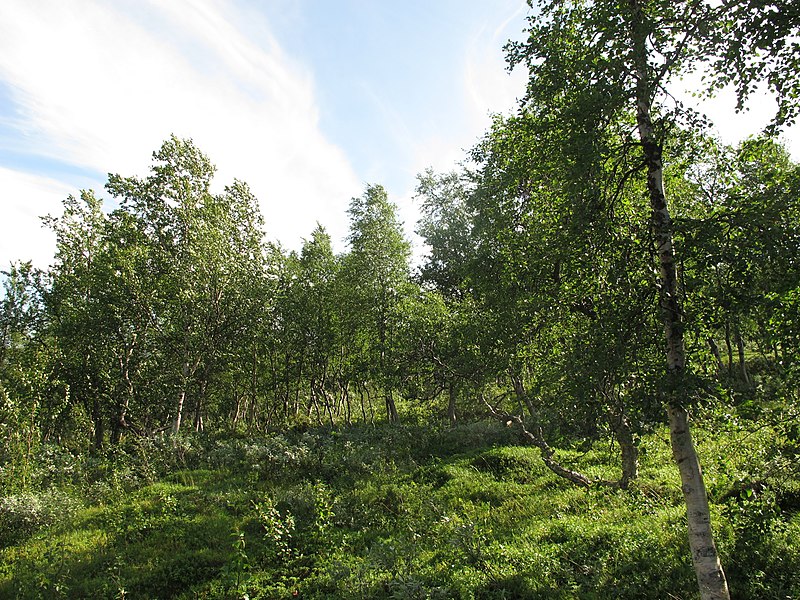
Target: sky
308 101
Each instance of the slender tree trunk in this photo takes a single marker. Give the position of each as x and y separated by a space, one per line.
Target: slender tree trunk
176 426
253 379
348 409
369 403
630 459
237 410
198 410
328 406
522 396
391 408
130 392
329 403
187 370
717 356
451 403
97 420
287 391
319 391
729 346
710 576
629 451
737 336
121 422
315 405
363 406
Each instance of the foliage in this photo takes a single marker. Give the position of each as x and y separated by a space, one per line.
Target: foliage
23 514
187 410
757 43
440 513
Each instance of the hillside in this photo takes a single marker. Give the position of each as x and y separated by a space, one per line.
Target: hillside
396 511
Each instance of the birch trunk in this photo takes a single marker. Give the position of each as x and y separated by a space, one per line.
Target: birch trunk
737 335
391 407
176 426
629 451
717 356
451 404
710 576
187 370
728 345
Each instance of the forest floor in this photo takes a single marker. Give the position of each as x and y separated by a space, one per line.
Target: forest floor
405 511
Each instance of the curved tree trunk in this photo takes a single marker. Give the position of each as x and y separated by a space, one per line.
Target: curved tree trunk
537 438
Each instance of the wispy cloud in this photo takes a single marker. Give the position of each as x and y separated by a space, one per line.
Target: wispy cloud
99 85
486 88
25 198
489 85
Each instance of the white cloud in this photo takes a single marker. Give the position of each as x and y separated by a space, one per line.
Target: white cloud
100 85
730 126
489 85
25 198
487 88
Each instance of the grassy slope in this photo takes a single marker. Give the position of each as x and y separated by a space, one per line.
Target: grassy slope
403 513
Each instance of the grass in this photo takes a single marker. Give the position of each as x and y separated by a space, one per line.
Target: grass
407 512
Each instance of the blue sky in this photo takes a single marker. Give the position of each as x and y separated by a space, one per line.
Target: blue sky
306 100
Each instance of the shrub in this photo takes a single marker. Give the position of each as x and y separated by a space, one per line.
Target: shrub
23 514
468 437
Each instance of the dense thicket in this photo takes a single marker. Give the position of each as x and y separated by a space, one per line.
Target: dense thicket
171 312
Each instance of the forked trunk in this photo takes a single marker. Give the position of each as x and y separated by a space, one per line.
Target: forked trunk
198 407
629 451
186 372
729 346
391 407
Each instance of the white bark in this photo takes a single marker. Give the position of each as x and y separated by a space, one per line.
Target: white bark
710 576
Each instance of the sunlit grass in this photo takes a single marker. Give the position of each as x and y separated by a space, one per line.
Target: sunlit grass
410 513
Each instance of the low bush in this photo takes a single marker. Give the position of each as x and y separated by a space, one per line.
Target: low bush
23 514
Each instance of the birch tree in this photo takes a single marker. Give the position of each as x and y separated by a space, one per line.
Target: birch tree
76 309
604 66
204 257
377 274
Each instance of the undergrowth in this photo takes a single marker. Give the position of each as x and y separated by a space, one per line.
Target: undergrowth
394 512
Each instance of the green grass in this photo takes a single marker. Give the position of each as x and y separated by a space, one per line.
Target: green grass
409 512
